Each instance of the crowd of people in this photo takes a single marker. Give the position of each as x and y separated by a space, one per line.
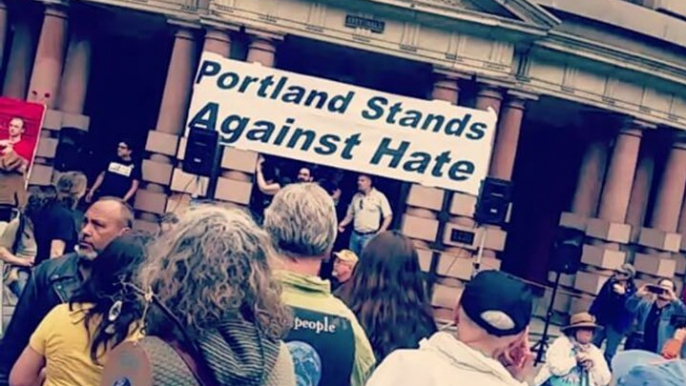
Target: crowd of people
222 297
368 209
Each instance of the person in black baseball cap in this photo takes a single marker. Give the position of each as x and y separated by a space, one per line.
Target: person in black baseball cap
499 303
490 347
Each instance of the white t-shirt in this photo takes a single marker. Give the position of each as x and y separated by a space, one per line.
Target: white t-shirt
369 210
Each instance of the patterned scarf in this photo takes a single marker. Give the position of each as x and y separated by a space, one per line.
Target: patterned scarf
238 354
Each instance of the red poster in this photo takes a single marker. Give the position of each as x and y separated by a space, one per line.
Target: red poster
20 126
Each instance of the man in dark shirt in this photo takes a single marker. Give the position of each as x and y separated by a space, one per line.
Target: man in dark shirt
56 225
654 307
56 222
120 179
55 281
650 329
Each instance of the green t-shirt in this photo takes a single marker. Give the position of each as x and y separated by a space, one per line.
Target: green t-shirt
313 293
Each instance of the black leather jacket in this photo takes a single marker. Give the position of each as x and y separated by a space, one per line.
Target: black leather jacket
52 283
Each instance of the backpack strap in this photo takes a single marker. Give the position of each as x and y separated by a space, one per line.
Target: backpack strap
186 348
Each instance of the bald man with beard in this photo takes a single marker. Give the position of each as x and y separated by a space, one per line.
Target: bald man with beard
54 281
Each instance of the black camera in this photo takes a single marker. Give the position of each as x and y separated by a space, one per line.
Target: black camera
678 321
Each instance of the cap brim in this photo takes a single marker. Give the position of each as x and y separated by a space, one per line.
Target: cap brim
625 361
582 325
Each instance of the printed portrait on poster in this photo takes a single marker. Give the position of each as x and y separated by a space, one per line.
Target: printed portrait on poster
20 126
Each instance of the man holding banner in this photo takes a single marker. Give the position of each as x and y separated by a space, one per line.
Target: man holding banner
15 144
20 130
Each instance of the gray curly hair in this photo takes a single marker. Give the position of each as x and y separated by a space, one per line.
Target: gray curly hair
214 265
302 221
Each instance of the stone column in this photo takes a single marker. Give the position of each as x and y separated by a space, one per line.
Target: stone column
489 96
76 74
590 180
235 183
262 47
671 191
640 193
509 126
178 86
217 41
614 201
20 59
163 142
427 217
3 28
47 67
446 86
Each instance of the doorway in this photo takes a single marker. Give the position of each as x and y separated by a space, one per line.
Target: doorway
128 71
544 181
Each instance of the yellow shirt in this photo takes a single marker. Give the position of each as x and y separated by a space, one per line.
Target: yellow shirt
63 340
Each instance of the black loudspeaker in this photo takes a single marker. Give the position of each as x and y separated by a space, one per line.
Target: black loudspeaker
493 202
567 250
201 151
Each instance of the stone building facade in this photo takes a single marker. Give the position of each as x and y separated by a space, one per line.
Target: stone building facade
591 97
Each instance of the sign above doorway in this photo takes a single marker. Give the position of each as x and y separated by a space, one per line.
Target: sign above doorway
354 21
270 111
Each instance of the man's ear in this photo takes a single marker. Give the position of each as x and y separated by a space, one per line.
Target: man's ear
124 230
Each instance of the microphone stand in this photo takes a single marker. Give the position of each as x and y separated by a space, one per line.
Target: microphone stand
542 346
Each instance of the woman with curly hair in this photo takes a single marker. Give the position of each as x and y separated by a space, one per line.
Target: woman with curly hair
389 296
72 341
213 315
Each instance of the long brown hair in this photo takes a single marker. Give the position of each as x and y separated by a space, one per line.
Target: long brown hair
389 295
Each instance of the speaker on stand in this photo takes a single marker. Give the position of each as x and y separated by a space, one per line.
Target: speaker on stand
493 203
201 157
566 259
492 208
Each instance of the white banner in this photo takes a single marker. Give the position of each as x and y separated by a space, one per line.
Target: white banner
319 121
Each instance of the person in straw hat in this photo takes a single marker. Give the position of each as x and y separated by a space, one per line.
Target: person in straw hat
572 359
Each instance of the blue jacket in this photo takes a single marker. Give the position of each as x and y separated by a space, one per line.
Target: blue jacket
665 329
609 310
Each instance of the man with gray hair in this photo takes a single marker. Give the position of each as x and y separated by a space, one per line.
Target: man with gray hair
55 280
301 221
